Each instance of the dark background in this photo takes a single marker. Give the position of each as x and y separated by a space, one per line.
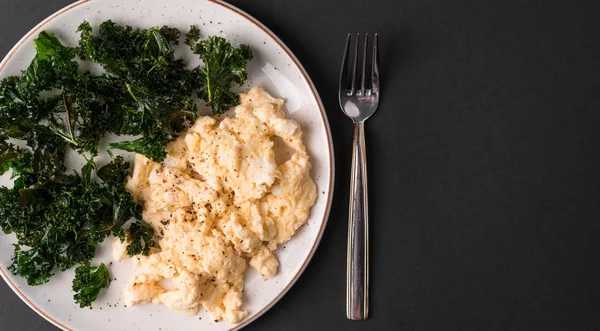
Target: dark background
483 163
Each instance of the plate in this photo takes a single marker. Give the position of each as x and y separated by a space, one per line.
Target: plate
278 71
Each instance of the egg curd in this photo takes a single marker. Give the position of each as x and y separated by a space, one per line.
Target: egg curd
217 203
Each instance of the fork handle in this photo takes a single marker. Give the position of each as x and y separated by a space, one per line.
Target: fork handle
357 276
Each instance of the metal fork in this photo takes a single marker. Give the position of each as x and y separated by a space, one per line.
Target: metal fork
359 104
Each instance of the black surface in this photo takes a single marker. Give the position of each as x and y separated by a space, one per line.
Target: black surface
483 163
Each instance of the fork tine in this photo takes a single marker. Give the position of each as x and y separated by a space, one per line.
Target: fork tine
344 70
364 65
375 66
355 62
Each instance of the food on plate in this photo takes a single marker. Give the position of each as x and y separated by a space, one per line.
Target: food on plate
218 202
54 106
88 282
59 218
224 66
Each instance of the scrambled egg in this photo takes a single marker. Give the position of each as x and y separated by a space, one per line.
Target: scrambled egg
219 202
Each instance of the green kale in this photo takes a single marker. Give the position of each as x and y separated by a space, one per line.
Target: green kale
62 218
19 160
151 147
140 234
10 155
171 34
69 114
146 91
19 107
61 58
11 218
31 265
62 125
155 96
39 76
224 65
114 172
114 47
47 159
191 38
88 283
85 111
120 201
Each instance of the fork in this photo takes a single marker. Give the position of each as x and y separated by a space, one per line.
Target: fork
358 103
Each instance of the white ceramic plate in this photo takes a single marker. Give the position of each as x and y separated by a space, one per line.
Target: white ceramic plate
278 71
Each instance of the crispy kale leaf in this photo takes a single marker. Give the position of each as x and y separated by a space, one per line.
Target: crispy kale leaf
10 214
140 234
88 282
152 147
224 65
122 204
61 58
191 38
10 155
85 111
170 34
19 106
114 172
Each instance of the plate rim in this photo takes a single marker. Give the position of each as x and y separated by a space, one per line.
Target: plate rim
322 112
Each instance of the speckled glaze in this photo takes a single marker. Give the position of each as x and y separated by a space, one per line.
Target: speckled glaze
278 71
